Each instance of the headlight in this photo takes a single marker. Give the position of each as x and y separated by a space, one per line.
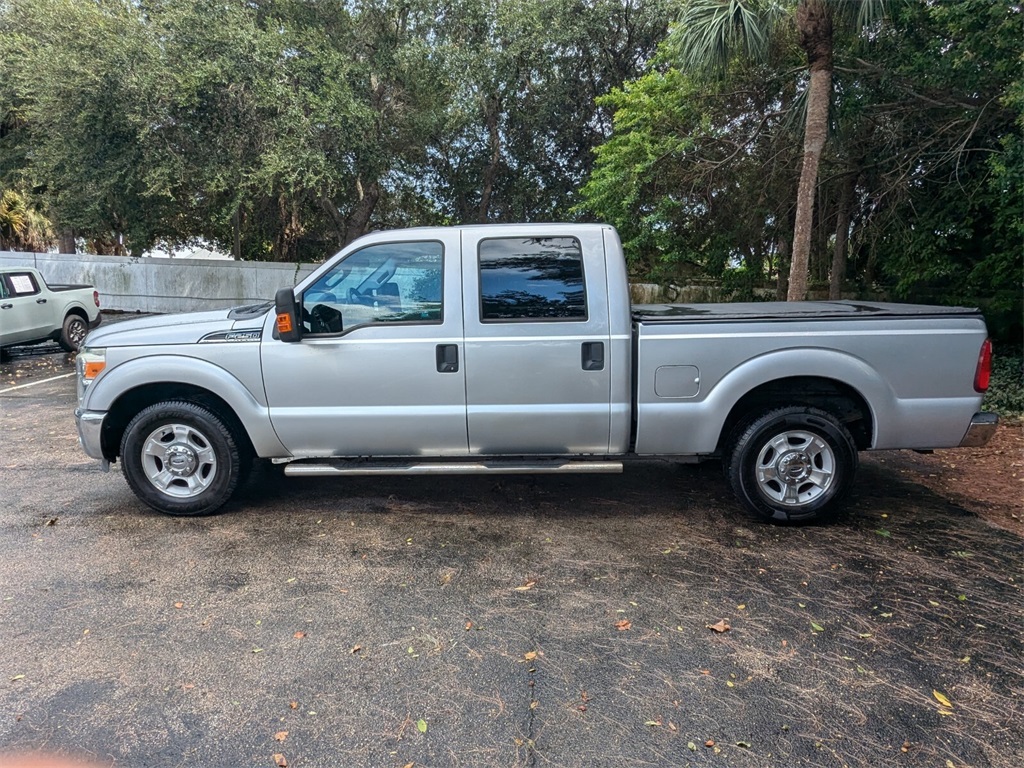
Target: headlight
89 364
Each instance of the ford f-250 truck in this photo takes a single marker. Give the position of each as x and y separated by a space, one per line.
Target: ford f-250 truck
513 348
32 311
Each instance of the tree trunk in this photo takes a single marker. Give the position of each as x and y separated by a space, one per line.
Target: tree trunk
838 272
815 27
358 223
491 171
782 284
338 223
66 241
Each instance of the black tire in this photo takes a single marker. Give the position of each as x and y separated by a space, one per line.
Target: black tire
73 332
5 355
792 465
182 459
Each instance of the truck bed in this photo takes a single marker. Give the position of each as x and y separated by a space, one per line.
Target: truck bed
789 310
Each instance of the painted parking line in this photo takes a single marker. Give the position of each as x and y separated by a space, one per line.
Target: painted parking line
34 383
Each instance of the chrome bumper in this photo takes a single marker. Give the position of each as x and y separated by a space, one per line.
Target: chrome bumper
983 426
90 429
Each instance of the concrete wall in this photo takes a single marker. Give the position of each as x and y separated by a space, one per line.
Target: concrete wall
163 285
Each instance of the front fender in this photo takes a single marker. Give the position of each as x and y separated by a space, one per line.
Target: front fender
121 379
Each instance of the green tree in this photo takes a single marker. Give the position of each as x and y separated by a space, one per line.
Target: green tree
711 32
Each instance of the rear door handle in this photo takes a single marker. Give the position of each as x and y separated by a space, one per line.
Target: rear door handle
447 358
593 355
40 301
6 306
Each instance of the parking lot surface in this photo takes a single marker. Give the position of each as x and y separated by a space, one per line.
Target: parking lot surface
548 621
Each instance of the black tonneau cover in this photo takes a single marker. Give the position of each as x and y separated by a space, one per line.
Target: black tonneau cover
788 310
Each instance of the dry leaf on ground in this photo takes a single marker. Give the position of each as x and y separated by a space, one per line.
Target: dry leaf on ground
722 626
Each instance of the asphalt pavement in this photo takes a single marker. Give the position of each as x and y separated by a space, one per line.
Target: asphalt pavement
548 621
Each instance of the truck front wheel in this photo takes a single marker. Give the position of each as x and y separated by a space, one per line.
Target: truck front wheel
792 464
181 459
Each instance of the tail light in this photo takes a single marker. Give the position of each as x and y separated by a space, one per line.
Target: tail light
983 373
96 298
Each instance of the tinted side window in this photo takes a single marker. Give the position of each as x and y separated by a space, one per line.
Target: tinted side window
535 278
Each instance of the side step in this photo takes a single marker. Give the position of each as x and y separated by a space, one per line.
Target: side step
336 467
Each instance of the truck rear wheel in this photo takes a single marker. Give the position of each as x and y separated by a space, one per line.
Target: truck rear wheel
792 464
73 332
182 459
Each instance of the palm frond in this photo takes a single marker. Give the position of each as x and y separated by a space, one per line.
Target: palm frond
710 33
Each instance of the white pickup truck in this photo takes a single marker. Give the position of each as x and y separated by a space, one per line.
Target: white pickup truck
513 348
32 311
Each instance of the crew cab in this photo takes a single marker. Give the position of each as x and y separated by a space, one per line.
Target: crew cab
32 311
514 349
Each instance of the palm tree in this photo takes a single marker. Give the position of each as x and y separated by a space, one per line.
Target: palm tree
711 32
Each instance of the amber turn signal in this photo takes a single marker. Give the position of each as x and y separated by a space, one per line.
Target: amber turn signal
284 323
93 368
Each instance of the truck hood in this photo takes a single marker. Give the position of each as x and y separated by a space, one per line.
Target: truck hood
177 329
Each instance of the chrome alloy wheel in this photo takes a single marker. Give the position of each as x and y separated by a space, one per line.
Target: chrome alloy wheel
76 332
178 460
795 468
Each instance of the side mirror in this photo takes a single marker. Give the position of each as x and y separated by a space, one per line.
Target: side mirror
288 327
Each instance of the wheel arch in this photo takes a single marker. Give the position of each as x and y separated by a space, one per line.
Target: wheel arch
840 399
128 388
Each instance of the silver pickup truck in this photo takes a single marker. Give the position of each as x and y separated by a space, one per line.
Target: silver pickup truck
513 349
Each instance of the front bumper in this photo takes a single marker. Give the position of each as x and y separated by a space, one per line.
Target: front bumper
90 431
983 426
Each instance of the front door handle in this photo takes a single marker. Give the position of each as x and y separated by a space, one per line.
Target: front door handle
447 358
593 356
40 301
6 306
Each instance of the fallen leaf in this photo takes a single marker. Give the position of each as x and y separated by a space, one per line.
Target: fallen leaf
280 761
653 723
409 765
950 764
672 726
623 625
883 532
356 649
257 650
293 705
528 585
709 743
691 746
50 523
17 677
942 698
533 705
469 625
179 605
932 602
817 627
530 655
299 635
743 744
421 725
280 735
722 626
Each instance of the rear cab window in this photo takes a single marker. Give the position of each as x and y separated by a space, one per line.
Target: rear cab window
533 279
19 284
